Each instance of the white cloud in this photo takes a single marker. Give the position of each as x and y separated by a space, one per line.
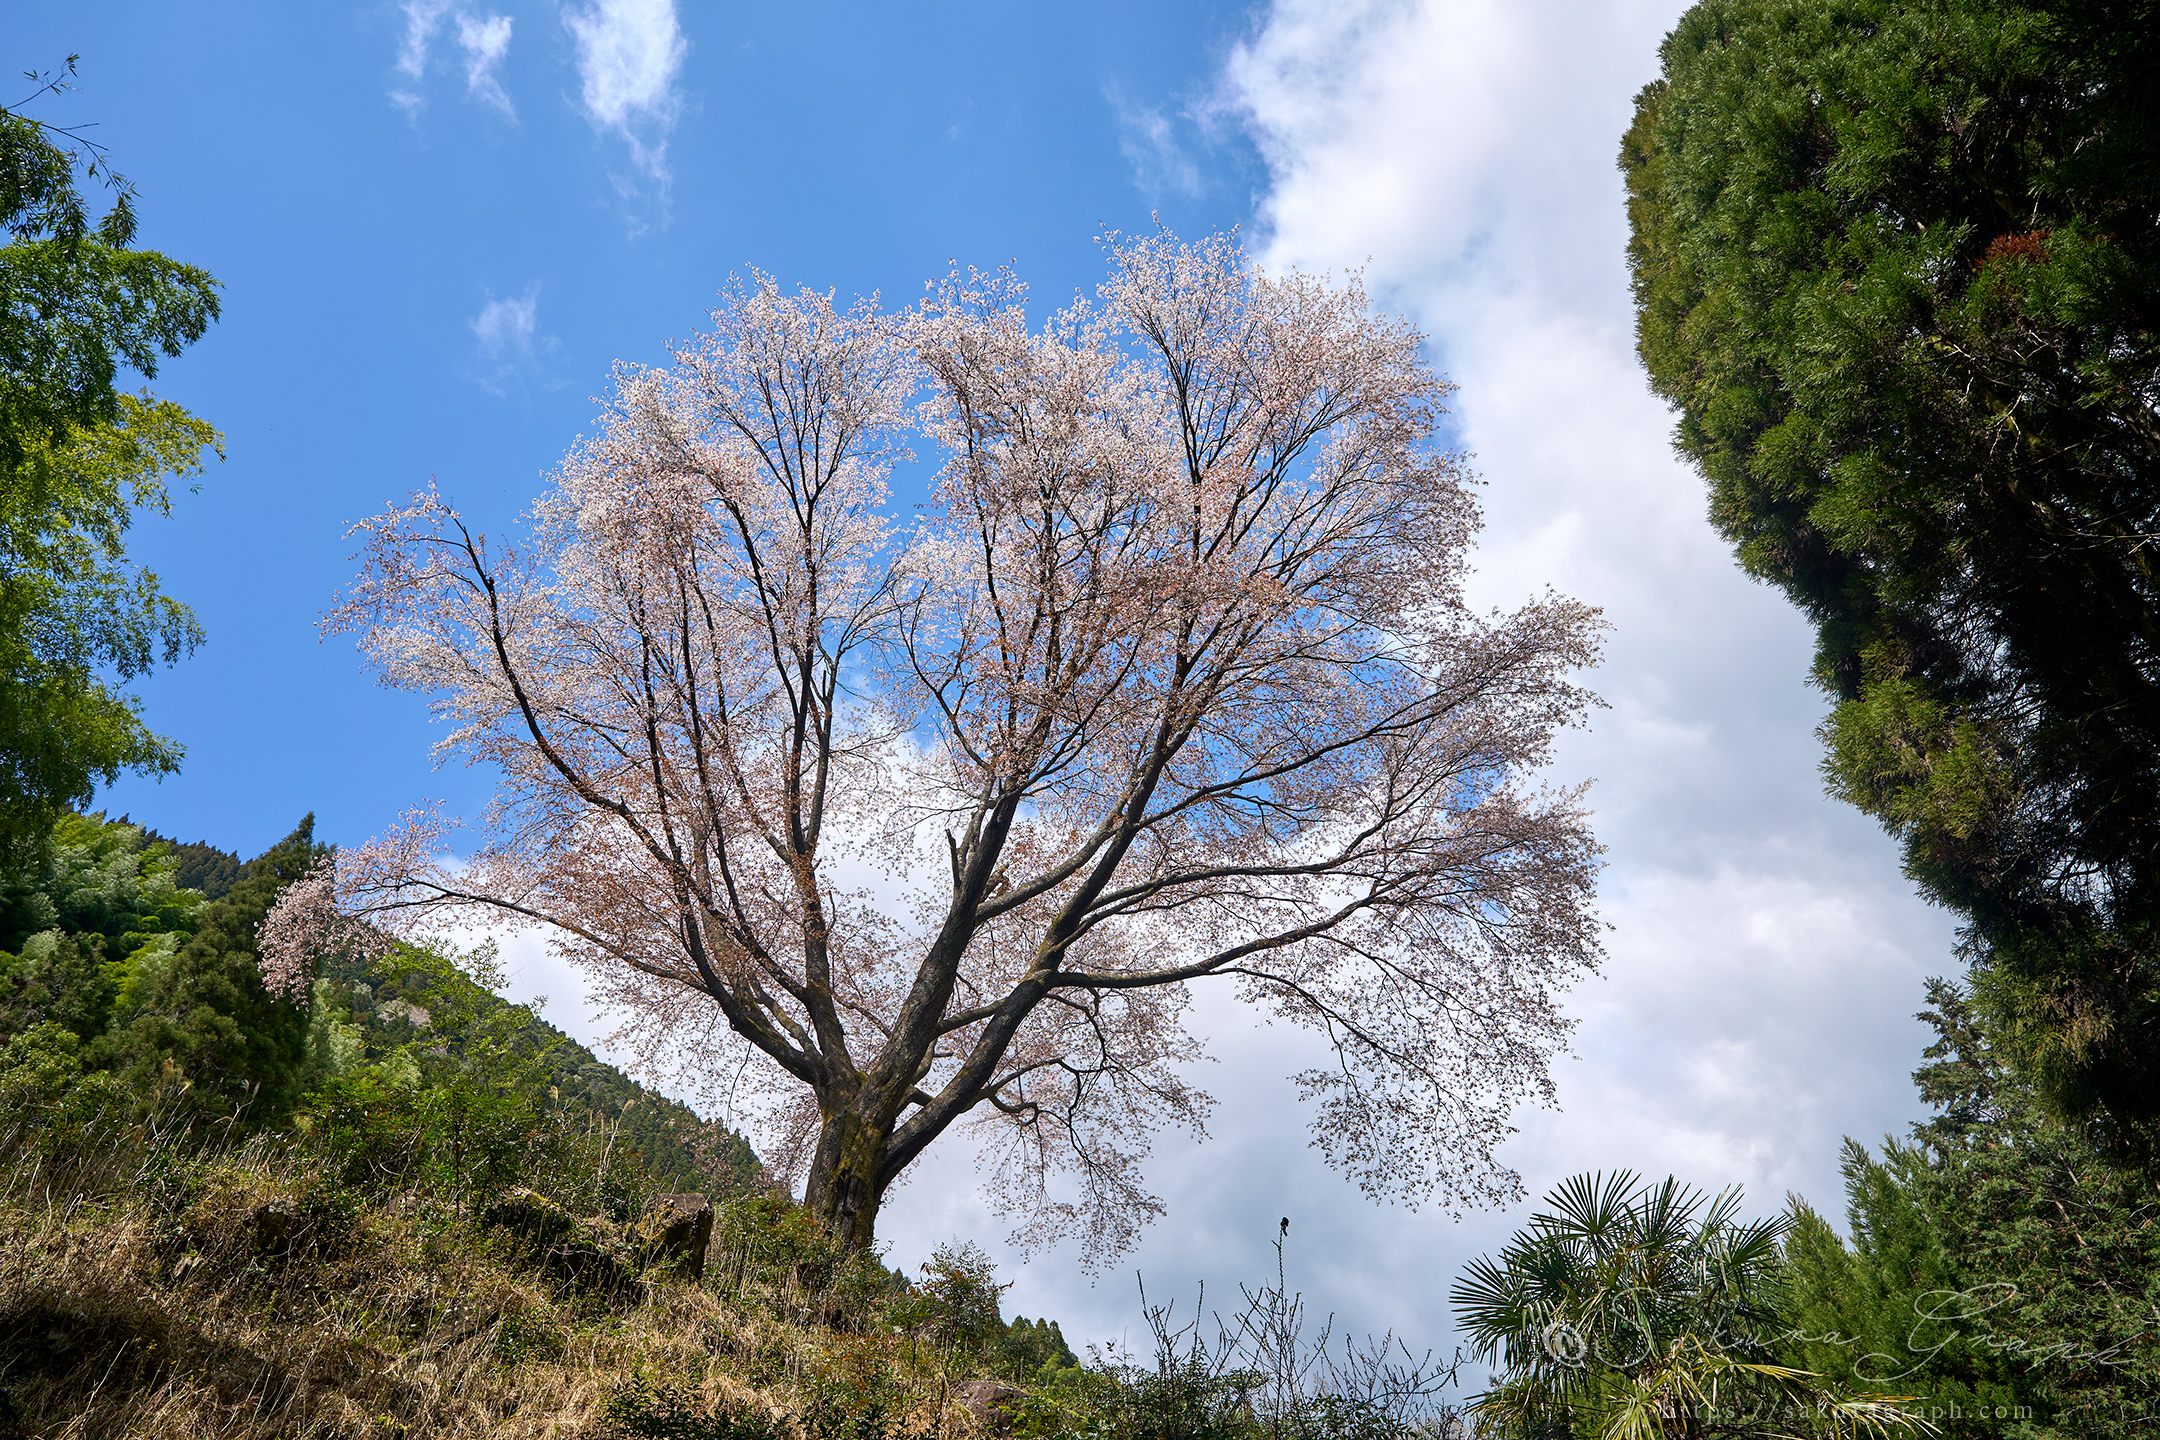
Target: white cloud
505 327
1148 139
422 18
512 352
485 40
629 53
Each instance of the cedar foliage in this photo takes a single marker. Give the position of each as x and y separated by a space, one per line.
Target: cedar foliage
1897 264
205 1017
1997 1258
197 864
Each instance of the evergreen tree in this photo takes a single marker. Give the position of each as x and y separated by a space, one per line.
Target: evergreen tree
1999 1260
1897 263
1037 1348
1893 1310
199 865
203 1015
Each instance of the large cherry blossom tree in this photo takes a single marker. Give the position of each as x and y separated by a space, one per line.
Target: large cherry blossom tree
1172 683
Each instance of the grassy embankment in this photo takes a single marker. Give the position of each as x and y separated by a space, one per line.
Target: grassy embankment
151 1285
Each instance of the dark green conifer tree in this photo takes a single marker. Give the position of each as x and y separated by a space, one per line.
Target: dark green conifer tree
1998 1260
199 865
204 1016
1893 1309
1897 263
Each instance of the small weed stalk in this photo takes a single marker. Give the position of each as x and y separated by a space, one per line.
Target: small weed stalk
1266 1378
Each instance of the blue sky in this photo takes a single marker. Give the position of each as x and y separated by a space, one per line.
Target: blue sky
434 244
425 275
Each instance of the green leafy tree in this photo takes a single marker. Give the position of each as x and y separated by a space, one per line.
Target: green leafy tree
79 302
1897 263
1635 1310
201 1015
955 1304
419 1073
78 459
80 919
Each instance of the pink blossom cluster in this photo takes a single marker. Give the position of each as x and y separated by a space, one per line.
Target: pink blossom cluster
307 924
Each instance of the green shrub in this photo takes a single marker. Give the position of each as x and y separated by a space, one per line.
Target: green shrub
382 1131
37 1067
373 1127
642 1410
767 1239
832 1418
326 1221
1067 1403
1334 1417
522 1335
59 1113
955 1307
1189 1400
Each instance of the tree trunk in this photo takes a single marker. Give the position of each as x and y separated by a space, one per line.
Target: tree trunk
844 1187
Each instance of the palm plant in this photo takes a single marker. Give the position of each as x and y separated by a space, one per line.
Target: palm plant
1628 1310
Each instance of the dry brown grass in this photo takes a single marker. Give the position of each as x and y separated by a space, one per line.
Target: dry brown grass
240 1297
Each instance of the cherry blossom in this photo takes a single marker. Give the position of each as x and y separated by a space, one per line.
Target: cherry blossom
1172 684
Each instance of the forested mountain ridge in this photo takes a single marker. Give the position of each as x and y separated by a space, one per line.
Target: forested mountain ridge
681 1150
197 864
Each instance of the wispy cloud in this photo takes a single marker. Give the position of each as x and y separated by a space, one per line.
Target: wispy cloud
629 53
1149 142
512 352
485 39
422 19
1176 148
